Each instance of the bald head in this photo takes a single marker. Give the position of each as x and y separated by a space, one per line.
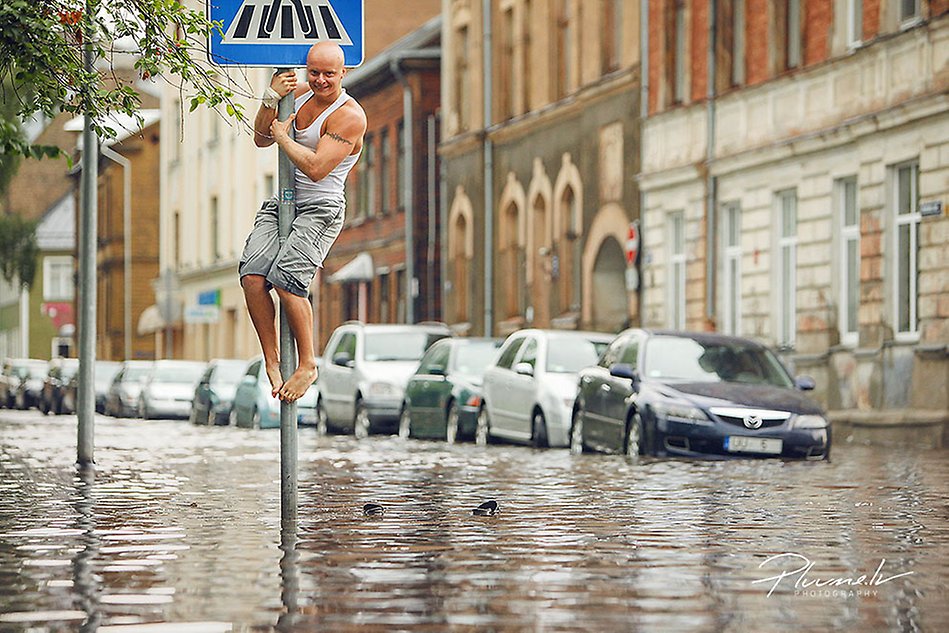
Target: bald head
326 54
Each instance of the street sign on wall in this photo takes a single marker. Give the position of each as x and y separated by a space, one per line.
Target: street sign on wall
278 33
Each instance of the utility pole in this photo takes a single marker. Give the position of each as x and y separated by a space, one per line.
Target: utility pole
86 408
288 352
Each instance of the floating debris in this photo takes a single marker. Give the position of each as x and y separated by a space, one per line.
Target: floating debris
487 509
373 510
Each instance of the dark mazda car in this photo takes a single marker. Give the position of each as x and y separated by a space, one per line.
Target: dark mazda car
695 394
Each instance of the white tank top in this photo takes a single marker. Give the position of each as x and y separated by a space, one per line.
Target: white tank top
333 186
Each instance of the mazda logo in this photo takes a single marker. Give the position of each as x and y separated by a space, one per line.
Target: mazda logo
752 421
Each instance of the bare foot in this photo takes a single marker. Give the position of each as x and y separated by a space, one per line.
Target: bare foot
297 384
276 380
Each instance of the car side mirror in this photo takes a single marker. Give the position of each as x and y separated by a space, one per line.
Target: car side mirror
342 359
524 369
624 370
805 383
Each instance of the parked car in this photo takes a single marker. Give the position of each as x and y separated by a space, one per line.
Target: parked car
54 387
122 398
690 394
364 373
255 408
169 389
443 396
215 391
14 371
27 394
530 389
104 372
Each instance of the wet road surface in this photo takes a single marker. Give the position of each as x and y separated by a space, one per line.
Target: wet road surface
181 525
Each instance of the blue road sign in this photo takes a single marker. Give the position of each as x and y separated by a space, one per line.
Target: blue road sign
278 33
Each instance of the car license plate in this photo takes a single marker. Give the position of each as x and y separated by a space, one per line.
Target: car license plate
745 444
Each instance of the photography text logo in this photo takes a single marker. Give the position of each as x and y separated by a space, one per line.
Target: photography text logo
833 587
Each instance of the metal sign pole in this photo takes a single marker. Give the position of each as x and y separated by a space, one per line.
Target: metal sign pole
86 405
288 360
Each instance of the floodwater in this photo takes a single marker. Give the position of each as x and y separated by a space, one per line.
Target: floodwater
178 529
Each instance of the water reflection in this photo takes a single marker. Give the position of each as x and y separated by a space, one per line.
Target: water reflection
181 526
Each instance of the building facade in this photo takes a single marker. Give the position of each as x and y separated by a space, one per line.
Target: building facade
384 267
539 156
794 180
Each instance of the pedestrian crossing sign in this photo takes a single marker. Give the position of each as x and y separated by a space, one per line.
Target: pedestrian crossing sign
278 33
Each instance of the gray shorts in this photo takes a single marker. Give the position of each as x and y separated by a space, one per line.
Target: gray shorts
291 266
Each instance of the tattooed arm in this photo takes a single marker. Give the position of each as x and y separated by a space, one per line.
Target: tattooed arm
342 137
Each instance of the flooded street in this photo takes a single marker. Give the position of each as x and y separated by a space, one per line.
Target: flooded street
181 525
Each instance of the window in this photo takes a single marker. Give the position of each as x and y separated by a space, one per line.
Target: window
848 217
793 52
680 85
529 355
215 228
506 64
906 266
527 51
677 261
400 305
631 353
738 42
363 170
400 166
563 69
909 10
270 189
436 358
507 356
384 312
854 22
731 238
176 228
612 41
612 353
462 80
787 266
385 159
372 177
58 278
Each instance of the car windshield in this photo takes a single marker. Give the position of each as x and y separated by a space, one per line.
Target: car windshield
228 373
134 374
382 346
570 354
178 374
678 359
471 359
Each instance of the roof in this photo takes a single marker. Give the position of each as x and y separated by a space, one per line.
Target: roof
124 125
57 229
422 43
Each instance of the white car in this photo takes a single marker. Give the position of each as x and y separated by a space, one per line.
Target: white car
530 388
364 373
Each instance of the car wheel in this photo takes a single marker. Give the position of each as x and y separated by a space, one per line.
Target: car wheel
451 424
634 436
483 430
539 430
576 433
322 419
361 422
405 423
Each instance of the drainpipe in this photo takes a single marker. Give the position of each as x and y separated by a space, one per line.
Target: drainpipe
711 183
408 190
430 265
643 115
488 174
126 241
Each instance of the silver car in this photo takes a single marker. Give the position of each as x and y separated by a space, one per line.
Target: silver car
253 406
169 389
364 373
530 388
122 398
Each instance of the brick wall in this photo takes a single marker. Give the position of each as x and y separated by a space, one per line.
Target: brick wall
817 26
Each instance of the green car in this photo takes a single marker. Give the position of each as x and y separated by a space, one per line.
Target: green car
443 396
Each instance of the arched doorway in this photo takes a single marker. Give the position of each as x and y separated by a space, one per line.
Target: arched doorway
609 306
540 282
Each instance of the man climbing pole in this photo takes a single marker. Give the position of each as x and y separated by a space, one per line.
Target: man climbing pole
328 129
